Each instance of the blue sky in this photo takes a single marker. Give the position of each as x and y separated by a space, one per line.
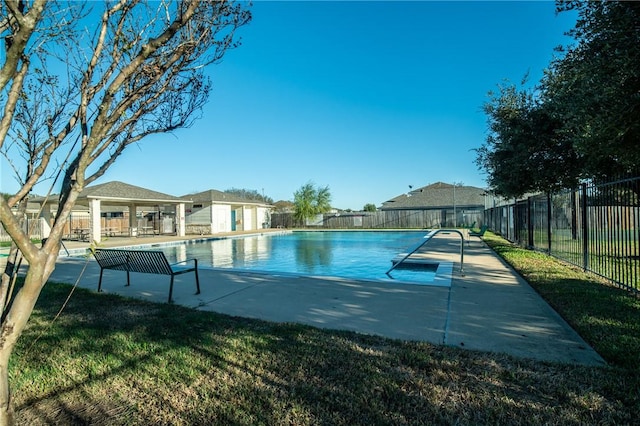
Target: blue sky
364 97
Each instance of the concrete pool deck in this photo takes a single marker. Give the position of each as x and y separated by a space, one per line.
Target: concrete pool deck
489 308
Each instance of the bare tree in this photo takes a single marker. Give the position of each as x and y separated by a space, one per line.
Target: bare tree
80 82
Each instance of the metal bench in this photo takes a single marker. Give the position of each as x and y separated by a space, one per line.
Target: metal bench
479 233
148 262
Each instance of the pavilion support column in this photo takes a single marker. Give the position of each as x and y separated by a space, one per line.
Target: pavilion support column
95 232
181 225
133 220
45 221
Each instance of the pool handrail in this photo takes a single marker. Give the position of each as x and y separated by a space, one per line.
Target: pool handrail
426 238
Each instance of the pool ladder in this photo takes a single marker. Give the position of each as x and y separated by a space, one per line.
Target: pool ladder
426 239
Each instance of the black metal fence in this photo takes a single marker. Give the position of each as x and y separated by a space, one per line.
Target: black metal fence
596 227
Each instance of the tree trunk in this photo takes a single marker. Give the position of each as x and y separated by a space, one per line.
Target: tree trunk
15 322
6 404
7 276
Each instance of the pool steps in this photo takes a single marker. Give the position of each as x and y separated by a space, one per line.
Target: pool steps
397 261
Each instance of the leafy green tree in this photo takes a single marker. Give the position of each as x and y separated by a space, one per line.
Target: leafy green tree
310 201
525 150
369 207
76 89
284 206
582 120
595 87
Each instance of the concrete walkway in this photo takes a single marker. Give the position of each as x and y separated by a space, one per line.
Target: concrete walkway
489 308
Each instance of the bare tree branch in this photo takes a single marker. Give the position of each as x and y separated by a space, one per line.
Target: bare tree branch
138 71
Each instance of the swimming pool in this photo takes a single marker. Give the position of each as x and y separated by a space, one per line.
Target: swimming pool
349 254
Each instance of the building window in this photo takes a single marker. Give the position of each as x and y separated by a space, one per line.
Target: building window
112 214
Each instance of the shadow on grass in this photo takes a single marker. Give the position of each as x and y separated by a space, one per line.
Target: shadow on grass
111 360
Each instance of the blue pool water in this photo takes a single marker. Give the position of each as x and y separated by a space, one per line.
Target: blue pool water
351 254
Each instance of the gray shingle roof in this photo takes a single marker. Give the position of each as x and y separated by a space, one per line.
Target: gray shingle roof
115 193
124 191
437 195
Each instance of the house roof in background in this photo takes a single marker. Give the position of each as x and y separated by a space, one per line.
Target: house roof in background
437 195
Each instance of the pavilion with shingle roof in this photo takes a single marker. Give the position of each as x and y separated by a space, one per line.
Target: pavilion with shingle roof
115 193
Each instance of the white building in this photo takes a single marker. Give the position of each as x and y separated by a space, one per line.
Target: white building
213 212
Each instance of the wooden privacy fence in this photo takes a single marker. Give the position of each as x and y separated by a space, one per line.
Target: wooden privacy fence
33 226
77 226
386 219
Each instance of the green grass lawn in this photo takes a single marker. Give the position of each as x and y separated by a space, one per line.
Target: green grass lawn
108 360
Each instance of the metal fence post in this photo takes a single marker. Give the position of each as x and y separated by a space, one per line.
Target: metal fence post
585 228
530 227
549 222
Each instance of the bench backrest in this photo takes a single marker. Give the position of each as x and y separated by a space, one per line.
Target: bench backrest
150 262
479 233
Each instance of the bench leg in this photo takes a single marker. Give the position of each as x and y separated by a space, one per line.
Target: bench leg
170 290
100 281
197 279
